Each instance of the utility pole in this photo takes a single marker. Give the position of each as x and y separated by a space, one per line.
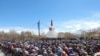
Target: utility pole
38 24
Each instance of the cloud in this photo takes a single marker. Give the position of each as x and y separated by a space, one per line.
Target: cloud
69 26
81 25
17 29
20 29
86 23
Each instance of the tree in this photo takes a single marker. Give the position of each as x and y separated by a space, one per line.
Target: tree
13 35
69 35
2 33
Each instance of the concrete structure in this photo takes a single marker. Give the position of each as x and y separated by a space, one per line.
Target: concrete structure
51 33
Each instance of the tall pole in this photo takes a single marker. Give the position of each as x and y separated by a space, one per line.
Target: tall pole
38 30
51 23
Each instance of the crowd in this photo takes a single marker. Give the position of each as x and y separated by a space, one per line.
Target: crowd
51 48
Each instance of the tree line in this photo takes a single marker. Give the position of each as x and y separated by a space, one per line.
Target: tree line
13 35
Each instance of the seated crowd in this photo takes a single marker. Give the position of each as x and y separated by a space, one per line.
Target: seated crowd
50 48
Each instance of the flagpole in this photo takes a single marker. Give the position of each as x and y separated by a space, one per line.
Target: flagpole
38 30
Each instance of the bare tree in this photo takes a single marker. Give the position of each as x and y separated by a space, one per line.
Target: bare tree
69 35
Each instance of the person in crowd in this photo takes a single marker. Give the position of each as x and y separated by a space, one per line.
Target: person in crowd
97 50
50 48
